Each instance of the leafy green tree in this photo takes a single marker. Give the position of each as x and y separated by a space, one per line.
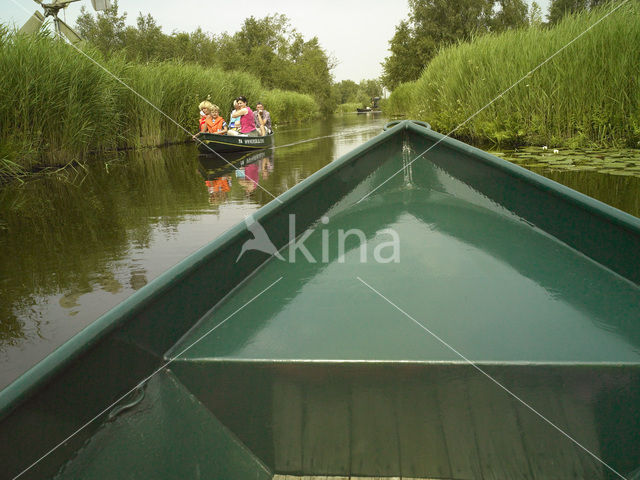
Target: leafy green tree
535 15
511 14
274 51
268 47
371 88
106 31
560 8
313 69
346 91
198 47
433 24
407 60
146 42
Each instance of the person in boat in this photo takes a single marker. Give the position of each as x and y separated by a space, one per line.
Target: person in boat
203 119
234 121
263 119
247 118
219 126
212 121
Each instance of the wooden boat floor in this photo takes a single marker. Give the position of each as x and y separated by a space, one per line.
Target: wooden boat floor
488 283
292 477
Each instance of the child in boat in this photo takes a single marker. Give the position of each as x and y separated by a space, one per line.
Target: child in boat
234 122
219 126
212 122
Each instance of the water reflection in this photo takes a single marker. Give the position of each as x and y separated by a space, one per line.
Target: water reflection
247 169
72 248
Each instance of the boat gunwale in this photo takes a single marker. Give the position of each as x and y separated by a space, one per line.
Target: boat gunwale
231 140
547 185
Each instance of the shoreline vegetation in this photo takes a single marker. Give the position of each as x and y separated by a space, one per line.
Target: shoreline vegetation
587 95
57 107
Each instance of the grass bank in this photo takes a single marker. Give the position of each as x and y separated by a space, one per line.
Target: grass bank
57 106
349 107
588 94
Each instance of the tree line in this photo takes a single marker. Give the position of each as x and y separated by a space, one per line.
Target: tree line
269 48
434 24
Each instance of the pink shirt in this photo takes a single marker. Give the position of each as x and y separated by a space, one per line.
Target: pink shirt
247 122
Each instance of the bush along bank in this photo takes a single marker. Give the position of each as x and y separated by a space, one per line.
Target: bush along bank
588 94
56 105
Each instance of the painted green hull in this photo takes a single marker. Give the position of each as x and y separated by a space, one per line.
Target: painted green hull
211 143
295 366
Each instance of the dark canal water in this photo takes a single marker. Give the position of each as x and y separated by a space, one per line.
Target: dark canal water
76 244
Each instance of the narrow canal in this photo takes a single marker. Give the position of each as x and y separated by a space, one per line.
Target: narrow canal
77 243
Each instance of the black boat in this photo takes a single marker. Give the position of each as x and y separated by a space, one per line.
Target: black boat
212 142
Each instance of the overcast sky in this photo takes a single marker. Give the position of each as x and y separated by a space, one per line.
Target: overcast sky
355 32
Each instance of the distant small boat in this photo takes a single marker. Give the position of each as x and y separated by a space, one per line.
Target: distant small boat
364 110
211 142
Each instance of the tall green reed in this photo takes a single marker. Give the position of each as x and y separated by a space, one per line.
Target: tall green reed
56 106
588 94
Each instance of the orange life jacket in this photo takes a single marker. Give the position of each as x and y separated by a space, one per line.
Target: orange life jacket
213 126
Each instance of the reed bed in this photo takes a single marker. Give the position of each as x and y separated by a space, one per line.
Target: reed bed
588 94
348 107
56 106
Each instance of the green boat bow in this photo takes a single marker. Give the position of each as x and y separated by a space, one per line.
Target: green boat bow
433 311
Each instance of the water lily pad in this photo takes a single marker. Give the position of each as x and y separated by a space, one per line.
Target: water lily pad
555 163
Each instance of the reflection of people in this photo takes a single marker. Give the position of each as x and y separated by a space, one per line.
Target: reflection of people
218 188
251 177
247 119
263 119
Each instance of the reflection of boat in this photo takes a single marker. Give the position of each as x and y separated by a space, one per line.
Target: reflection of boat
245 167
213 165
210 142
298 367
368 110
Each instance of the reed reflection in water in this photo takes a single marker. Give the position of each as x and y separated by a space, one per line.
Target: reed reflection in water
76 245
